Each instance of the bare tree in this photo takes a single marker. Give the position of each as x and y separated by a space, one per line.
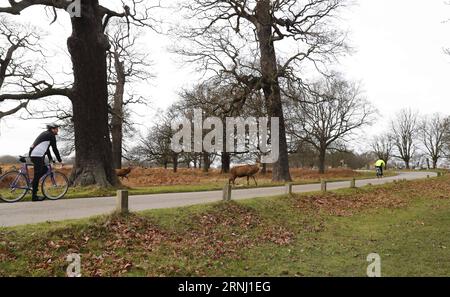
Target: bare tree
20 57
303 154
433 133
126 64
230 28
447 146
155 146
217 98
405 129
206 97
88 47
383 147
14 110
333 112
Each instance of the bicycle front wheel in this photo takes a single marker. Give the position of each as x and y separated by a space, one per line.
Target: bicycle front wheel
13 186
55 186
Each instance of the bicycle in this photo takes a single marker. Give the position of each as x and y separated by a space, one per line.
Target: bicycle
15 184
379 173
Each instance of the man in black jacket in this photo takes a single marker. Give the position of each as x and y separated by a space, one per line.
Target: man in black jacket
38 151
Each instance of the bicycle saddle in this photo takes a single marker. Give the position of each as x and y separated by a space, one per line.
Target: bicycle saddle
24 159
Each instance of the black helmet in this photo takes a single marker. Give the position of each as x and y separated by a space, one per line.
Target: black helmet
52 126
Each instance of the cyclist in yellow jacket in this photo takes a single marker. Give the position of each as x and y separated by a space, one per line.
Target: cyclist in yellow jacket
380 164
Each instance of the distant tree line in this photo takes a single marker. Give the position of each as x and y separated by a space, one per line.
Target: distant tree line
417 140
257 58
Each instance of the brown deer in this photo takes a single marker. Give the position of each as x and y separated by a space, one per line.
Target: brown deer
244 171
123 173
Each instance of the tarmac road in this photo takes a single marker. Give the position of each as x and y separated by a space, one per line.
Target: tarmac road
24 213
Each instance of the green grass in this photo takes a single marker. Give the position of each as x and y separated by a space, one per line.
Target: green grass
406 247
316 234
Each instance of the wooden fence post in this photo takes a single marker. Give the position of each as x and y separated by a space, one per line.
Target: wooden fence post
227 193
323 185
122 201
353 183
289 188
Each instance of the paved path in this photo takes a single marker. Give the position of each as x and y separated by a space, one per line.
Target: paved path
30 213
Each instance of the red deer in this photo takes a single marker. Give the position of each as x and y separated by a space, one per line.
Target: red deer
244 171
123 173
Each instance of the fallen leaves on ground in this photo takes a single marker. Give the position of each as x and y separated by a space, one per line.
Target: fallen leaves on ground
116 245
392 196
147 177
226 231
6 248
159 176
222 232
114 238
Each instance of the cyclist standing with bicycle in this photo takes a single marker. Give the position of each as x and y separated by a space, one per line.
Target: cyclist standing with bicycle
38 151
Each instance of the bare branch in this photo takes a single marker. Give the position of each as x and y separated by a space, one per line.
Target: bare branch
13 110
16 7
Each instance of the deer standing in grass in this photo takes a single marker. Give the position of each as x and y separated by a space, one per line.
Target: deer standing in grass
244 171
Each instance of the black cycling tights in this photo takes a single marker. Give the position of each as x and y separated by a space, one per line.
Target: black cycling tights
39 170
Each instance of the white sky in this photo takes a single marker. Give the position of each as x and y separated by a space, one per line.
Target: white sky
398 57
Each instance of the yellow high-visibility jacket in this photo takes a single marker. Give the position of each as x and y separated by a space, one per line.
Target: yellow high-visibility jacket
380 163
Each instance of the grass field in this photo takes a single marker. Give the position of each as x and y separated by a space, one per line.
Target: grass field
157 180
407 224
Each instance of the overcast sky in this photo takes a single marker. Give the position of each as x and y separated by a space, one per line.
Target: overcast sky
398 57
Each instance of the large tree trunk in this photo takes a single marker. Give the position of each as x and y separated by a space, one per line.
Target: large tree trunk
226 160
264 169
87 46
322 155
175 162
206 163
435 162
117 117
271 85
407 163
225 156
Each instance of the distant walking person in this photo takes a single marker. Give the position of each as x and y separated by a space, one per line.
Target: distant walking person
380 165
38 151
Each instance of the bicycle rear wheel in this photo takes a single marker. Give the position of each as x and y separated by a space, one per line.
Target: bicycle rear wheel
13 186
55 185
